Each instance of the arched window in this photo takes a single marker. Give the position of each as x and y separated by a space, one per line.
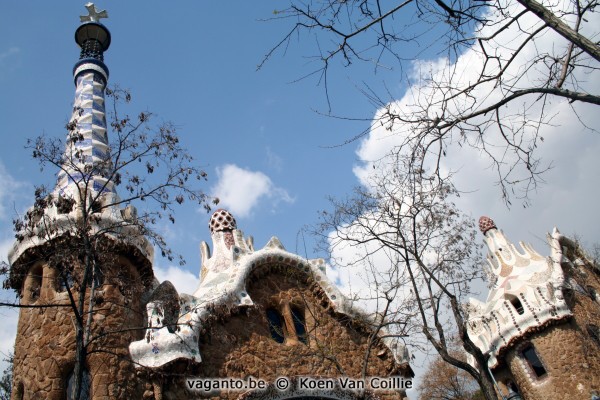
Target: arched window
275 325
516 303
33 283
288 325
299 324
86 386
533 360
19 391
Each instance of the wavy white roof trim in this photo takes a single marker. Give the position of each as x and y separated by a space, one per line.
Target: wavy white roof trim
534 280
223 285
115 223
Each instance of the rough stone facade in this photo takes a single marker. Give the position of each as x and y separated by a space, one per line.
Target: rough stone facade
45 345
570 351
238 343
558 357
235 343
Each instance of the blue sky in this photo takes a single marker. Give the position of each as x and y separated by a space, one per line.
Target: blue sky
194 65
261 137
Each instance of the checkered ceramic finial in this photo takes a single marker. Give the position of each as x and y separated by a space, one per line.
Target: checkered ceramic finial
485 224
221 220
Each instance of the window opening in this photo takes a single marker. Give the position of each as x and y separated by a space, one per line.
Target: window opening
594 333
593 293
534 361
299 324
35 282
516 304
19 391
275 325
96 207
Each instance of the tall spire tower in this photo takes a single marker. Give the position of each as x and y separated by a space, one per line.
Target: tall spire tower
81 263
87 163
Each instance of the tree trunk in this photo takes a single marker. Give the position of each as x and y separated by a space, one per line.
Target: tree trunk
81 345
79 364
486 381
488 389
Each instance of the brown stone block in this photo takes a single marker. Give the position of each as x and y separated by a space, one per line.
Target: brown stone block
101 390
57 384
45 385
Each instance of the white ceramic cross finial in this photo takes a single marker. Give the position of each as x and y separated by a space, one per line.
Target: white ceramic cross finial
94 15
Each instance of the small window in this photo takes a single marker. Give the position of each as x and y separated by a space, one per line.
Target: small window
125 282
86 386
594 333
534 361
34 283
299 324
593 293
516 304
19 391
275 325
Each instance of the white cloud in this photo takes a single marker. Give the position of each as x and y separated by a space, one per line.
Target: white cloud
184 281
13 196
567 199
364 281
5 246
240 190
430 81
273 160
9 191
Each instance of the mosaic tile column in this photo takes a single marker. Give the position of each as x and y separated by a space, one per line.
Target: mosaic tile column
87 157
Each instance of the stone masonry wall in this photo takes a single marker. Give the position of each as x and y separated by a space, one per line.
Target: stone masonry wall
45 345
570 351
240 345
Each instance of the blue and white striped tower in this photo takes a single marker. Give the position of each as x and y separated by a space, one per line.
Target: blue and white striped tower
87 163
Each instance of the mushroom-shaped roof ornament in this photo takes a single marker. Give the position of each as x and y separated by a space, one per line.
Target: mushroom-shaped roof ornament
486 223
221 220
